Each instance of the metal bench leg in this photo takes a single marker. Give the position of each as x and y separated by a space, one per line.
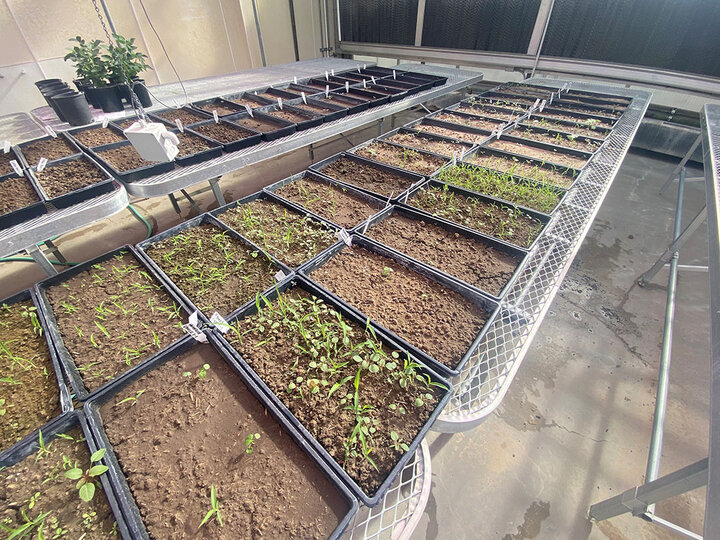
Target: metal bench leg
215 186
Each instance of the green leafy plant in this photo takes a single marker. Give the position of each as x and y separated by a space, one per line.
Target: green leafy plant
27 528
86 480
214 508
124 54
88 64
250 441
201 373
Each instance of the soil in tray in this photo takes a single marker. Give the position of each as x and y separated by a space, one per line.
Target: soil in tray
444 148
112 317
191 144
52 148
552 156
508 99
314 108
333 202
187 428
403 158
221 109
247 101
433 318
586 110
127 123
473 261
521 167
290 116
186 117
609 107
513 105
591 122
224 133
217 271
471 122
447 132
386 183
5 159
496 220
576 129
268 95
501 186
16 192
29 388
486 111
567 141
354 382
37 487
98 136
287 235
258 124
124 158
60 179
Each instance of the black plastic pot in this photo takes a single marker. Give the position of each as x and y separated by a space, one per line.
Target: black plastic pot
346 312
50 92
108 98
61 351
142 93
60 425
203 219
117 479
74 108
46 82
134 174
282 127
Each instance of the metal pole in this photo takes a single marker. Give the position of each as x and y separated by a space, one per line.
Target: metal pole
107 16
680 165
259 33
294 30
327 27
656 440
542 39
322 32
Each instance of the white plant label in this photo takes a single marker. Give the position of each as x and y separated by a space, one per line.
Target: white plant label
372 78
16 167
552 95
367 224
462 153
105 121
327 77
364 83
280 275
358 69
294 79
6 147
454 159
394 74
216 117
41 164
343 235
542 104
50 131
280 103
220 322
179 125
304 97
249 110
332 72
256 92
192 327
537 102
499 132
347 86
327 90
389 199
364 66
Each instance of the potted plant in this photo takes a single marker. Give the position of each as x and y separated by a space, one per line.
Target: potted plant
92 73
124 60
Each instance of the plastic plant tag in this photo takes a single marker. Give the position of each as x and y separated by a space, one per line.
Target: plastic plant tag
41 164
358 68
364 83
537 102
220 322
327 77
367 222
280 275
462 153
248 109
6 147
542 104
280 103
343 235
153 141
389 199
332 72
454 159
294 79
327 90
216 117
256 92
364 66
304 97
105 121
372 78
499 132
16 167
50 131
347 86
193 328
394 74
552 95
179 125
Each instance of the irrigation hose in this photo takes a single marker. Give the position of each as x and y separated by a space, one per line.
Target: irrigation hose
137 215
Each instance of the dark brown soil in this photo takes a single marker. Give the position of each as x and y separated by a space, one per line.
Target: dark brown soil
98 136
403 158
191 144
566 141
315 108
127 123
320 389
475 121
292 91
447 132
258 124
337 100
66 177
552 156
121 297
186 116
586 110
473 261
16 192
29 388
496 220
610 107
5 159
225 133
215 270
331 201
597 122
51 148
366 176
221 108
247 101
185 434
41 479
576 129
268 95
290 116
444 148
521 167
429 316
513 105
287 235
487 111
124 158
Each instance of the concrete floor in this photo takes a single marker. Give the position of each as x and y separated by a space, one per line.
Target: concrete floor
575 425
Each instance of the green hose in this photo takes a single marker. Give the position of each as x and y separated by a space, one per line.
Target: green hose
137 215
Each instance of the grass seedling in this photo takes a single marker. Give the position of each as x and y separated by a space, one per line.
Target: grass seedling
131 399
31 313
27 528
43 450
214 508
250 441
86 480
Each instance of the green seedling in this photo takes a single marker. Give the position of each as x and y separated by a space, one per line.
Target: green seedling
250 441
43 450
214 508
86 480
386 271
131 399
397 444
31 313
201 373
27 528
4 406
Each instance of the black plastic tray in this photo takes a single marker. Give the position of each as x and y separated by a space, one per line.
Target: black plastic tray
203 219
597 110
546 146
319 81
63 391
253 138
396 167
23 160
410 88
557 125
394 93
284 128
478 111
371 98
352 191
433 117
312 119
117 478
489 305
413 178
279 93
14 154
515 134
199 157
197 105
337 111
112 127
575 114
422 84
427 136
353 105
132 175
25 213
63 424
193 110
261 102
437 80
351 315
63 354
544 219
